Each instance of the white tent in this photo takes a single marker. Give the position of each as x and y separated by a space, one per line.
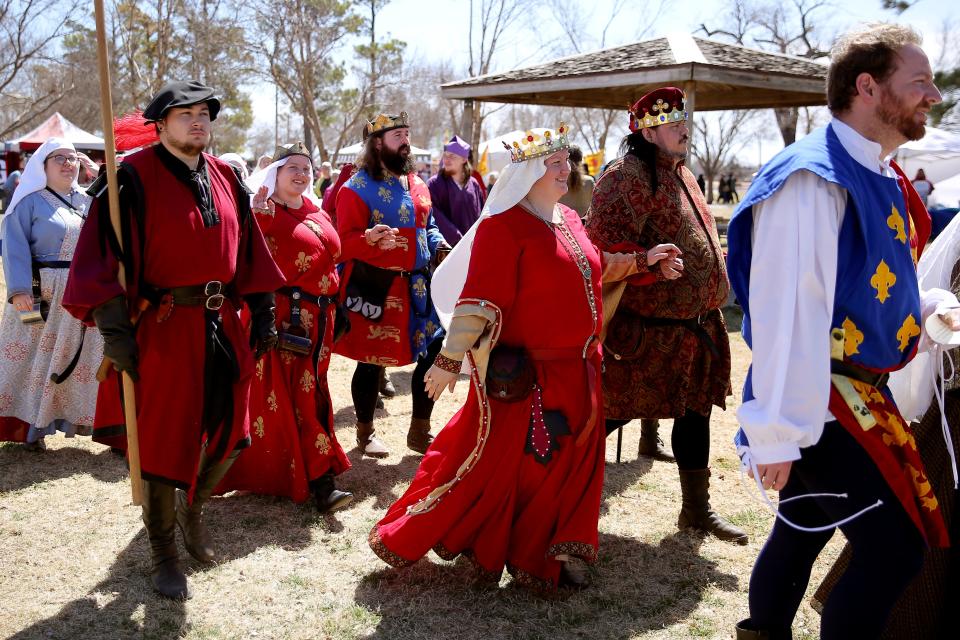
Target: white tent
946 193
349 154
59 127
937 153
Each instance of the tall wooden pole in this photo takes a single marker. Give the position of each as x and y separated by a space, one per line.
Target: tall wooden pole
113 197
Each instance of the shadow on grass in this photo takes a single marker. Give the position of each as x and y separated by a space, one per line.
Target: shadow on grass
23 469
121 605
636 587
377 478
124 605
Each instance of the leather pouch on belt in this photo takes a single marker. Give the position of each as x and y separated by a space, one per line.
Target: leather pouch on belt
510 374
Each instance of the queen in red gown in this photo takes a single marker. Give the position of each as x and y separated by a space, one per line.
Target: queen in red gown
517 484
294 450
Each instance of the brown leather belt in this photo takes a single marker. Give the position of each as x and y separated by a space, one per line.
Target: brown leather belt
209 295
856 372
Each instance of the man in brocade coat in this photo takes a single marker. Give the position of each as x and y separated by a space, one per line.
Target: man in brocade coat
666 352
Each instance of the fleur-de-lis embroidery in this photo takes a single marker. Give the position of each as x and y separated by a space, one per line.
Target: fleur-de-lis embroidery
306 381
882 280
324 353
303 261
359 180
376 216
420 288
315 228
258 426
306 318
272 401
325 283
895 221
271 245
418 338
385 194
431 328
404 214
287 357
908 330
322 444
852 337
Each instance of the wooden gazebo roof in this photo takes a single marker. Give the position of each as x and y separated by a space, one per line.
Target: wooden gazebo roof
725 76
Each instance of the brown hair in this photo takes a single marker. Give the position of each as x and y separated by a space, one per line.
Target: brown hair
369 158
874 49
467 173
575 179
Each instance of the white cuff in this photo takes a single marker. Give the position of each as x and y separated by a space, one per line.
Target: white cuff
772 452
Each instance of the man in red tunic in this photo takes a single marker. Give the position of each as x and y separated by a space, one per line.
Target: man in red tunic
389 241
667 354
192 253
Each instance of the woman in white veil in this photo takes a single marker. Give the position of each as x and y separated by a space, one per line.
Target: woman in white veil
514 479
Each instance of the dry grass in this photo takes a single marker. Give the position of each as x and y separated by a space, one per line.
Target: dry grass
75 562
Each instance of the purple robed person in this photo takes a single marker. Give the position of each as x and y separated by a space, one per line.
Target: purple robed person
457 197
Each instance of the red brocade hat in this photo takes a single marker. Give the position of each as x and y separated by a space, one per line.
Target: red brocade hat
660 106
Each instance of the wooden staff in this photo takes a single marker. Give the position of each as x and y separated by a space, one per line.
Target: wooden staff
113 197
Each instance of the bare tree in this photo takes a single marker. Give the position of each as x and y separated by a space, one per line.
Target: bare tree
787 27
719 138
28 31
594 124
296 41
490 22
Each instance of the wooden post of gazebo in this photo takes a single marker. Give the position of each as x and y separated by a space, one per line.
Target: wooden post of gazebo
466 124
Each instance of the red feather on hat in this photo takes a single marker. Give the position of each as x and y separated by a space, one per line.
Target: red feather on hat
132 131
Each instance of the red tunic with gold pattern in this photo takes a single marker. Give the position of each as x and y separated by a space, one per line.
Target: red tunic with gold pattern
673 370
291 414
480 490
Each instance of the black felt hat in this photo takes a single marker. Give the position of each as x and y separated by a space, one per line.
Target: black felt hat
181 94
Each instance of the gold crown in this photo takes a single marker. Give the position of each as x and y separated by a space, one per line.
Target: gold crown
660 113
292 149
386 122
533 145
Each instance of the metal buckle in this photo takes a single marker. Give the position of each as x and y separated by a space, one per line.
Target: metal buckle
213 290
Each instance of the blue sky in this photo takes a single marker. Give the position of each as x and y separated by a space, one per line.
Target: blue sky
438 30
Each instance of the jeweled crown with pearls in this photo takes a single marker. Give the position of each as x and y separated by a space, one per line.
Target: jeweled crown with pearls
534 145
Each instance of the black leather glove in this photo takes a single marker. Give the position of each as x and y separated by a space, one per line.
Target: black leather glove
263 322
119 335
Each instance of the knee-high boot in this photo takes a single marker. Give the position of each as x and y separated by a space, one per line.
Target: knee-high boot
160 517
696 511
196 538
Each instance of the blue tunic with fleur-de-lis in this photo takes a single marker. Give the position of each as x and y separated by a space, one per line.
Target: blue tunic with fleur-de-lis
877 301
409 211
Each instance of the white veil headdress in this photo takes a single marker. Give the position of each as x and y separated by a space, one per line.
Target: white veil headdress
512 186
34 178
268 177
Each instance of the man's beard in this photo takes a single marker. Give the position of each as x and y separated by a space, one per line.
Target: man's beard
894 113
187 147
397 162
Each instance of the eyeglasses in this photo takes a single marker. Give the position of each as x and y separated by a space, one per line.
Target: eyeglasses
61 159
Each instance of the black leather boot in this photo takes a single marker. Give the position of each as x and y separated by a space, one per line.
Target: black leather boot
745 631
160 517
326 495
196 538
418 437
696 511
650 443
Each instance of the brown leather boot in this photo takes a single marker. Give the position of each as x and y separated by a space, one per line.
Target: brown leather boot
387 390
368 443
159 517
196 537
696 511
650 443
418 437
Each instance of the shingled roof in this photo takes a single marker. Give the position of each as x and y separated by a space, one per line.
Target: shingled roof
727 76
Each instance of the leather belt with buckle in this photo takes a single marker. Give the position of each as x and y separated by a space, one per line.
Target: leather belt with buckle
209 295
856 372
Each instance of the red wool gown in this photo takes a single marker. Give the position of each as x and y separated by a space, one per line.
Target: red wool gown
478 491
291 414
